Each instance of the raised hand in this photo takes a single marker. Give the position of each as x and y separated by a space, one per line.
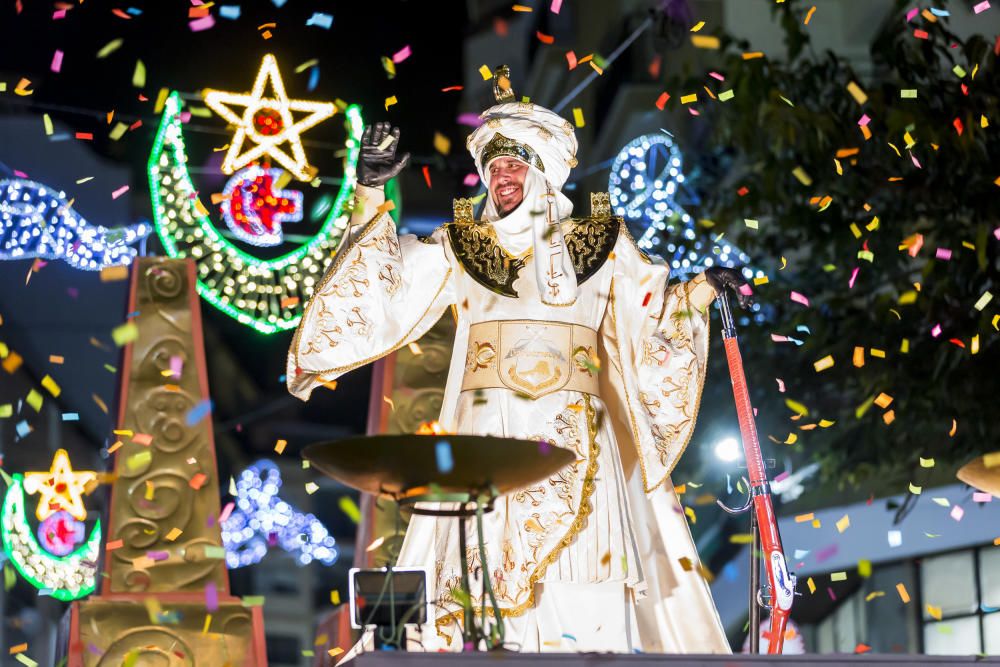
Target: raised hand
721 278
376 165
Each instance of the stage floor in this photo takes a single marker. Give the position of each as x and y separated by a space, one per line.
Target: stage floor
395 659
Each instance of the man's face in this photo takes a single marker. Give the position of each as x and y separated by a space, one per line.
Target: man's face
507 183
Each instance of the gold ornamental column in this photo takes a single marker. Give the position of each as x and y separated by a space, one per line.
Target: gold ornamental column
164 594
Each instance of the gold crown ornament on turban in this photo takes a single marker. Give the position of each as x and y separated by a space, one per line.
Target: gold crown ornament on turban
528 132
500 145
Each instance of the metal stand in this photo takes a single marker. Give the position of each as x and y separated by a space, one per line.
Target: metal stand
754 585
471 504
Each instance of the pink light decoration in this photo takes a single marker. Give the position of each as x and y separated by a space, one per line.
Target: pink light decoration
943 253
470 180
936 331
57 59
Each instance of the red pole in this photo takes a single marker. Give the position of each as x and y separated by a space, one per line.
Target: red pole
782 583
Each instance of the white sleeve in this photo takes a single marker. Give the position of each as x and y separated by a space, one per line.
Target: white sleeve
380 293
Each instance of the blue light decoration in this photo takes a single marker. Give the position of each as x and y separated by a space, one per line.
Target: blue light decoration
262 519
645 183
254 210
38 222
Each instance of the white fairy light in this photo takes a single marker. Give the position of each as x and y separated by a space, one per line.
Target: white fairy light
37 221
261 517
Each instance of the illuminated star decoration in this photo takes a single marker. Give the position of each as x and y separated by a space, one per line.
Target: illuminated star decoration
268 122
60 488
37 221
262 519
254 210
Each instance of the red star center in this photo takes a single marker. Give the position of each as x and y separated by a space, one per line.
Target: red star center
267 122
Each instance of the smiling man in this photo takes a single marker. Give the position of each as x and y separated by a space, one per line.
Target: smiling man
567 333
507 183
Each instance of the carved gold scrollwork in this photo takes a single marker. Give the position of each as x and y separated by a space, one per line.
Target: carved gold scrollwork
158 358
160 495
155 646
165 280
163 415
424 405
137 535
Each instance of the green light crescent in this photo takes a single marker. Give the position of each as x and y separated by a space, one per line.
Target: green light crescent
268 295
69 577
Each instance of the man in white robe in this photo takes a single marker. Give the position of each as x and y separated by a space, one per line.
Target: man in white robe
566 332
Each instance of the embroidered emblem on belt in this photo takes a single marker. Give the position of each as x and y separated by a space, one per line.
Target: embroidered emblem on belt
534 358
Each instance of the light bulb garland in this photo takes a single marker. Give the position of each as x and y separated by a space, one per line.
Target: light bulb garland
37 221
261 519
267 295
645 178
65 578
268 122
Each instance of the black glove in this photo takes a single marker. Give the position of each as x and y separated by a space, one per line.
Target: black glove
721 278
377 165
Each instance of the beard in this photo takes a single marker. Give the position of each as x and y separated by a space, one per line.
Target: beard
510 202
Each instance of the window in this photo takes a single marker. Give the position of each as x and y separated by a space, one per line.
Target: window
960 592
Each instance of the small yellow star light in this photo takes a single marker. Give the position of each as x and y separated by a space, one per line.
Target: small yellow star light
60 488
268 122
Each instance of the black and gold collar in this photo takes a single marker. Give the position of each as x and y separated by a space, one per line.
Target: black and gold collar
475 244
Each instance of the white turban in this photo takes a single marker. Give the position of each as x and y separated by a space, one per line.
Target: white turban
547 143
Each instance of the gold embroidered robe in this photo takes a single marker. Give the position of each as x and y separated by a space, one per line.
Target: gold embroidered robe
612 515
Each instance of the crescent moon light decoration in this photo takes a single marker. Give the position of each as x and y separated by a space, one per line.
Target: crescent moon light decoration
68 577
267 295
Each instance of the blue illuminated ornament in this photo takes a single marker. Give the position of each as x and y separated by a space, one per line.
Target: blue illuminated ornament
254 210
645 183
262 519
36 221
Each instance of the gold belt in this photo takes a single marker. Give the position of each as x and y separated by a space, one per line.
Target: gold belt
531 357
